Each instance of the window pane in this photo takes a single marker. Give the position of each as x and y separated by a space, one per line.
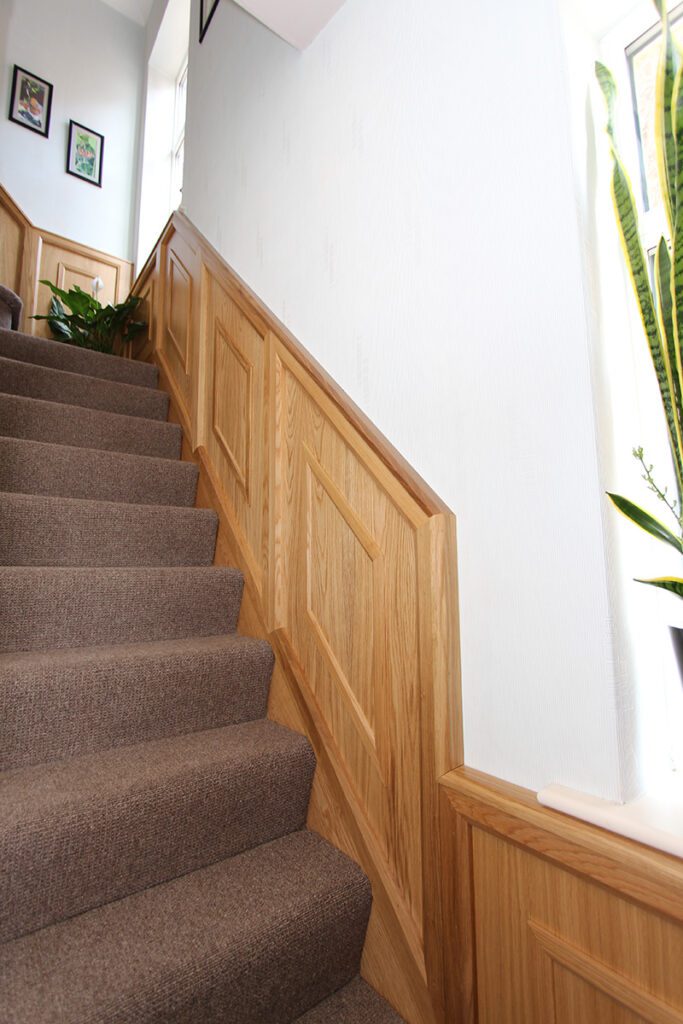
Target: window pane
643 56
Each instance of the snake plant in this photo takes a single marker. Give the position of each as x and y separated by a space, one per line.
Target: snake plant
661 302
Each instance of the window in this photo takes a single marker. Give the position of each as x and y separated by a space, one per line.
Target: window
178 151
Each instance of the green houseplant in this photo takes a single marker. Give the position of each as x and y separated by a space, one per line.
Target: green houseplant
660 302
88 323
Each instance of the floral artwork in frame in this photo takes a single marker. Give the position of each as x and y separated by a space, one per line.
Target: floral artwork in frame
84 153
207 9
31 101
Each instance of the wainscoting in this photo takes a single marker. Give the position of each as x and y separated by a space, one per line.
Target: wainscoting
349 563
29 255
550 920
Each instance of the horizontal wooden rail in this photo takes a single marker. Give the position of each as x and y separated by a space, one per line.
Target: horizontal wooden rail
349 563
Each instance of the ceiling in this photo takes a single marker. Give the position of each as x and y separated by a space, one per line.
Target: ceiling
297 21
136 10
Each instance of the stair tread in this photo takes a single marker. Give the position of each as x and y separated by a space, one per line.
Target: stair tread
60 355
263 936
47 530
143 814
52 607
36 381
62 703
38 467
37 419
356 1003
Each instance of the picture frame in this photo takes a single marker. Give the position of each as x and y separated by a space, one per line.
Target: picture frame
85 154
207 9
30 101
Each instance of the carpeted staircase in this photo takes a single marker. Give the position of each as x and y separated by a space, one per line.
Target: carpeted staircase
154 862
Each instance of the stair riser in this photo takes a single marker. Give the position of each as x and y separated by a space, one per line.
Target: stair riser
60 608
33 381
159 826
30 467
55 423
67 704
52 531
60 356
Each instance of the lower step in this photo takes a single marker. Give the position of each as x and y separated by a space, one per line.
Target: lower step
264 936
45 530
60 356
35 381
138 816
45 608
36 420
356 1003
33 467
65 703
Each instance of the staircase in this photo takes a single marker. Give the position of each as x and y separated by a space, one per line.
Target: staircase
154 861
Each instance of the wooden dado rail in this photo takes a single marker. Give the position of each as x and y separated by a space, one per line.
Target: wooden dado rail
349 565
29 255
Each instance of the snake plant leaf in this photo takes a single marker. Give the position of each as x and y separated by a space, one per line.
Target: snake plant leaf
646 521
609 91
665 141
627 220
671 349
671 583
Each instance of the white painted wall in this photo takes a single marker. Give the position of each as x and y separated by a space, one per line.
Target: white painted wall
94 57
401 195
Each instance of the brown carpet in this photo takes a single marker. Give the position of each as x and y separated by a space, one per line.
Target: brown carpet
34 467
154 862
36 420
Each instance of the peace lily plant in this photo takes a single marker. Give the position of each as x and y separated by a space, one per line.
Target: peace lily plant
661 306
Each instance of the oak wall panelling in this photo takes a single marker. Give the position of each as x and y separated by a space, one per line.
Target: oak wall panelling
29 255
550 920
349 564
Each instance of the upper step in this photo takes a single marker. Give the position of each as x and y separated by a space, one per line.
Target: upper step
34 381
356 1003
36 420
75 701
32 467
263 936
49 608
44 530
142 815
27 349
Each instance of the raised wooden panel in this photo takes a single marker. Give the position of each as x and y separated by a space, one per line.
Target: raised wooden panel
344 596
232 422
179 307
348 607
233 417
178 335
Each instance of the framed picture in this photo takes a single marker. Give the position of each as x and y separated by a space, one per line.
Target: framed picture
31 101
207 9
84 153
